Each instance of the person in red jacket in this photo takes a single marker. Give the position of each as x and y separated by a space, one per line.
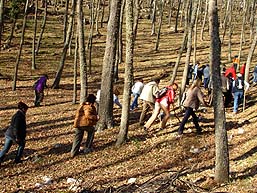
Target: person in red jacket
231 71
242 69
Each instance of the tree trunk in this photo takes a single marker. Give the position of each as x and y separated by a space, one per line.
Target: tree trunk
65 48
230 31
42 29
204 19
160 25
242 33
153 17
221 142
250 55
74 100
65 20
1 20
189 45
81 52
122 136
195 31
34 38
9 39
21 45
252 18
106 96
176 23
102 16
90 38
136 13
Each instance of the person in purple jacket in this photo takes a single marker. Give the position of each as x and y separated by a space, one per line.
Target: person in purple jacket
39 86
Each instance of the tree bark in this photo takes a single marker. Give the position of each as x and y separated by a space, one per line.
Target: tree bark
160 25
81 50
106 96
21 45
250 55
34 38
65 20
221 142
1 20
42 29
74 99
122 136
65 48
204 19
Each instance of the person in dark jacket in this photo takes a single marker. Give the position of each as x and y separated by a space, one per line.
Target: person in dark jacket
85 120
39 86
16 133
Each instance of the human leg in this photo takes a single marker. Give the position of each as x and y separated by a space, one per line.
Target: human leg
154 115
135 101
90 136
185 119
7 145
145 109
166 116
77 141
20 151
236 102
195 121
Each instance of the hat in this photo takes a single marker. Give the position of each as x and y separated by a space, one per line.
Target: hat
239 75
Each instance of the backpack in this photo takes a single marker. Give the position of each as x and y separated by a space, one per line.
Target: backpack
161 92
239 83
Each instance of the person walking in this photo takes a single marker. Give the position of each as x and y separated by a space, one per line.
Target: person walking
148 96
85 120
136 91
16 133
239 87
193 98
163 103
206 76
39 86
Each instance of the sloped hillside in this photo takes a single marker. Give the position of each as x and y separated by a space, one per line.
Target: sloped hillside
157 162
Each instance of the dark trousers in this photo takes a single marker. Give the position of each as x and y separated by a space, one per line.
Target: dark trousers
79 133
7 145
39 96
189 112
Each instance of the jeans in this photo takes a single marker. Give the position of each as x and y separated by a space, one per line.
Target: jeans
7 145
39 96
206 82
135 101
189 111
255 77
238 96
79 133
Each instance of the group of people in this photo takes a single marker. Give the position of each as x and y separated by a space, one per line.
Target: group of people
86 117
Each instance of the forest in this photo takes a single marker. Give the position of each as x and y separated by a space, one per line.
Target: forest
84 46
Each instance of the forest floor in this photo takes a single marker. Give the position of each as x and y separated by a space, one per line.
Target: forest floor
154 162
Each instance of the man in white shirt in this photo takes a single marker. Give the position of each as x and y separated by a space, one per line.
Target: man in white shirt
136 91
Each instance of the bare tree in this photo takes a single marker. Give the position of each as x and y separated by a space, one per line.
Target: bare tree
160 25
106 96
21 45
65 48
1 19
204 19
42 28
193 4
34 37
65 20
250 55
221 142
75 70
81 50
122 136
